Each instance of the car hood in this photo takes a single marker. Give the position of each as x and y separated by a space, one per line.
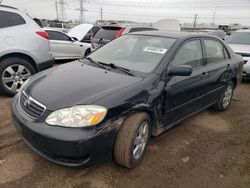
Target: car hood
240 48
75 83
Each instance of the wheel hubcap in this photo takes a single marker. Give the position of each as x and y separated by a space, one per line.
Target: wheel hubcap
227 96
14 76
140 140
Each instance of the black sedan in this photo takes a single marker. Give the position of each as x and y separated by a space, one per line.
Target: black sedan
107 105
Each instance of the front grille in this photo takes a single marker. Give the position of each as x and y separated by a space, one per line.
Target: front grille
31 106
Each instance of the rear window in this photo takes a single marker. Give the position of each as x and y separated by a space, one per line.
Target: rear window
8 19
108 33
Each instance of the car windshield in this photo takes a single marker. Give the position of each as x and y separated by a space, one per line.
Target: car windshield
134 52
239 38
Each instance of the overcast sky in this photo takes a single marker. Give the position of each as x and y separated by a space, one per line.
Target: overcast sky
226 11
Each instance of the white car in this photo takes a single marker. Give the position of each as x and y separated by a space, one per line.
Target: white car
65 47
83 33
24 49
239 41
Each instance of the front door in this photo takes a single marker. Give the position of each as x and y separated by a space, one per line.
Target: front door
185 94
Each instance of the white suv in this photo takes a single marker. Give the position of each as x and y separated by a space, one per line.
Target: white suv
24 49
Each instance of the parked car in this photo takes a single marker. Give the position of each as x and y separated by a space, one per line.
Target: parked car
63 27
111 102
107 33
239 41
24 50
65 47
83 33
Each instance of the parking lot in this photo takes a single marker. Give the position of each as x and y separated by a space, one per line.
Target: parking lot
210 149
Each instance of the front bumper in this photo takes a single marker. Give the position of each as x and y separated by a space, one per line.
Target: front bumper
65 146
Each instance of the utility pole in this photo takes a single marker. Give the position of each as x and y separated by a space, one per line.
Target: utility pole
101 14
213 18
195 20
82 10
62 10
57 17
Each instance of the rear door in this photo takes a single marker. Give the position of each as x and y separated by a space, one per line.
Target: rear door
185 94
104 35
62 46
219 68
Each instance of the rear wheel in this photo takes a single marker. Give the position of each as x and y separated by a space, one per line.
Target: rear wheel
132 140
226 98
13 73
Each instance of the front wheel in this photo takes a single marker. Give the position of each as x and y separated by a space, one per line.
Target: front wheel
226 98
132 140
13 73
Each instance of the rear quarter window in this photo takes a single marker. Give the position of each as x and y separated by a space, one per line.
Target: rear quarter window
9 19
108 33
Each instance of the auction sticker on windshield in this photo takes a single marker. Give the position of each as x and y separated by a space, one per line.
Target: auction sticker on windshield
155 50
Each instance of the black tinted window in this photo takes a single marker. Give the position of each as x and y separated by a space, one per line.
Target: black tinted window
215 51
8 19
189 54
54 35
141 29
108 33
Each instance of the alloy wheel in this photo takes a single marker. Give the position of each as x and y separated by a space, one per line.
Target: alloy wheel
227 96
14 76
140 140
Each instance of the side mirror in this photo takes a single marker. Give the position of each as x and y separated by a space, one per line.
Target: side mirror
180 70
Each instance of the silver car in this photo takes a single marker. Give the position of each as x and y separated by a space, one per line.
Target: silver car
24 49
239 41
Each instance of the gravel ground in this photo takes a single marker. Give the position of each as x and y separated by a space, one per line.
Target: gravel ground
210 149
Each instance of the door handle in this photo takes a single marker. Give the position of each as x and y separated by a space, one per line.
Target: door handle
81 45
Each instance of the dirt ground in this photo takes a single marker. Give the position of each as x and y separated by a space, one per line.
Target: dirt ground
210 149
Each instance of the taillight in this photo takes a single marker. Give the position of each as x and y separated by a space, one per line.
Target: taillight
119 33
43 34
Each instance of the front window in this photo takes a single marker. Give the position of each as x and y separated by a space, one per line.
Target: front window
134 52
239 38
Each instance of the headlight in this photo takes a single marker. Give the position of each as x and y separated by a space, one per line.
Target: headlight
77 116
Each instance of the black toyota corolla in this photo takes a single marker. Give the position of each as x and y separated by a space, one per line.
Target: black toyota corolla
107 105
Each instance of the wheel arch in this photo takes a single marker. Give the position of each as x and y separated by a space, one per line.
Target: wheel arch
22 56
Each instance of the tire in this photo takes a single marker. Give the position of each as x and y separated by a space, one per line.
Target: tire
13 72
225 99
125 144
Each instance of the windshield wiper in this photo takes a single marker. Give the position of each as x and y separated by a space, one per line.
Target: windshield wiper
95 62
114 66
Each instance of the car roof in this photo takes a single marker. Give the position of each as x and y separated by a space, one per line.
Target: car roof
173 34
6 6
128 26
